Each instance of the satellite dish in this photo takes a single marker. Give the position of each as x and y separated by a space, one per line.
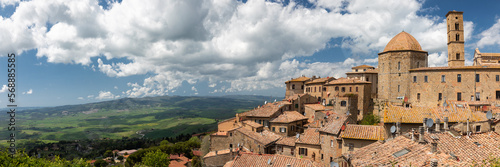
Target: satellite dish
393 129
489 115
429 122
334 164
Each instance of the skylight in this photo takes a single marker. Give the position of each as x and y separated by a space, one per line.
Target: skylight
401 152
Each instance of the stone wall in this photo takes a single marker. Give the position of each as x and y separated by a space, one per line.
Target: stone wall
293 88
331 148
313 151
487 87
219 142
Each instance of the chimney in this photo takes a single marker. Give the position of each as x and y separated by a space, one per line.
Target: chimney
434 147
434 162
468 128
445 123
398 125
425 120
437 125
412 134
421 134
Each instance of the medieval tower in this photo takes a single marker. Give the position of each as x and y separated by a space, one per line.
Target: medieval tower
455 21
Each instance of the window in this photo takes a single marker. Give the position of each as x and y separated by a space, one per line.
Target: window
331 143
399 74
456 26
497 78
331 159
293 86
457 56
324 89
399 65
230 145
350 89
356 70
418 96
343 103
399 87
478 95
303 151
302 87
457 37
418 64
459 77
459 96
283 130
321 156
315 89
364 69
414 78
274 129
292 128
260 121
322 139
343 89
477 77
443 78
498 95
351 147
356 89
440 96
336 88
339 143
230 134
367 79
425 79
478 128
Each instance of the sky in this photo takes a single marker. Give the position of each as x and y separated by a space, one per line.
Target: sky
82 51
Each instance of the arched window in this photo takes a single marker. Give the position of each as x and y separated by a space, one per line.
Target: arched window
456 26
457 37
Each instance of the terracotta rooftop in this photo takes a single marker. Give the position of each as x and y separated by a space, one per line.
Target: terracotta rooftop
456 112
315 106
296 96
363 66
261 160
334 124
265 137
320 80
266 110
299 79
219 134
288 116
452 151
310 136
347 81
363 132
252 124
289 141
402 42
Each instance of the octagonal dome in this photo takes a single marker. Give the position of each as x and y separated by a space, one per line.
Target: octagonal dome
403 41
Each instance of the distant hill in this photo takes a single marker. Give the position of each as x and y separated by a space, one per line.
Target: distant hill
152 117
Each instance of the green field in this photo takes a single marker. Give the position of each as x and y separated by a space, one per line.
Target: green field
152 117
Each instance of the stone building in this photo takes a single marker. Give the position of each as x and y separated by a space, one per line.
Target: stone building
295 86
355 137
316 87
300 100
403 71
343 87
366 73
288 123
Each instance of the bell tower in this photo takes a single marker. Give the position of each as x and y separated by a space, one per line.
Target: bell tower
455 29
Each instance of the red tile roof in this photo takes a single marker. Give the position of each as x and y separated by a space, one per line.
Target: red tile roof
315 106
252 124
363 66
288 116
289 141
460 151
266 110
265 137
261 160
334 123
320 80
299 79
310 136
364 132
343 81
